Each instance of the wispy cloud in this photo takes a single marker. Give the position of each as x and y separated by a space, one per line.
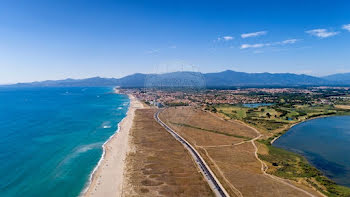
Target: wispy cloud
260 45
346 27
322 33
225 38
289 41
254 34
173 47
247 46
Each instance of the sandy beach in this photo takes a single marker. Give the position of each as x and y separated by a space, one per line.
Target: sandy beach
107 179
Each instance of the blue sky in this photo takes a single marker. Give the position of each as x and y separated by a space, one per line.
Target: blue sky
82 38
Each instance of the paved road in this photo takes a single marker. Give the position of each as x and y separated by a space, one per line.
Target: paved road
214 183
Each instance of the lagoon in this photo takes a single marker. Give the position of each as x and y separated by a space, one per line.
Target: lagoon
325 142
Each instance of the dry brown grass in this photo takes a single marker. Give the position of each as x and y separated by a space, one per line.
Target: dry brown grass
199 118
242 170
232 159
343 106
203 138
159 165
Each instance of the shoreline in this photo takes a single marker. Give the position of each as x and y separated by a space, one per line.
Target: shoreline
291 126
101 159
304 155
107 177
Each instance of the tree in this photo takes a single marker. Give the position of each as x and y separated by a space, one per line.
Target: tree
268 115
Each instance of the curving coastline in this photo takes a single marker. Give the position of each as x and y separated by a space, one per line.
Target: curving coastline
291 126
107 177
328 187
335 128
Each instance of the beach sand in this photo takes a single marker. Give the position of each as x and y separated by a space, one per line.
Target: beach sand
107 179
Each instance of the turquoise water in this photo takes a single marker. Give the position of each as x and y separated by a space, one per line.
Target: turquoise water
254 105
325 142
51 138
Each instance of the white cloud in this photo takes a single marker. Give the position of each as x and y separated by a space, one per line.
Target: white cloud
284 42
228 38
322 33
289 41
246 46
254 34
225 38
173 47
346 27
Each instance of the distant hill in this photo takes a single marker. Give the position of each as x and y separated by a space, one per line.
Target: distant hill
95 81
342 78
226 78
232 78
134 80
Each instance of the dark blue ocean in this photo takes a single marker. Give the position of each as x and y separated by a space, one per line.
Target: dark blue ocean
325 142
51 138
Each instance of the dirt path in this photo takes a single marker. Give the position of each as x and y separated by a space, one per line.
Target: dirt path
213 182
264 167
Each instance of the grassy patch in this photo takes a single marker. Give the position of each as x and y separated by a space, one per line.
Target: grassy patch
292 166
276 118
269 125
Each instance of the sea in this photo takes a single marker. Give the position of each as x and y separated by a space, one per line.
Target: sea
325 143
51 138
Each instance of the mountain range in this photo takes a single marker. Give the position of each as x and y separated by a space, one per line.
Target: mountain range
342 77
226 78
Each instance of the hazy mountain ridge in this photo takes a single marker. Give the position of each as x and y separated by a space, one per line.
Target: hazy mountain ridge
95 81
229 78
220 79
341 77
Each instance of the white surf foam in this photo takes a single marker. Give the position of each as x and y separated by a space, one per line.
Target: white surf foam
103 156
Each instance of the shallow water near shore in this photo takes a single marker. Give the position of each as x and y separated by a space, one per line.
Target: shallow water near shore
51 138
325 142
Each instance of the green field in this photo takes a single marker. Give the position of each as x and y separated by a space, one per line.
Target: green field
276 118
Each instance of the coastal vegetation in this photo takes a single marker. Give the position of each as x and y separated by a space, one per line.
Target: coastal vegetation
227 148
176 104
210 130
295 167
158 164
273 121
219 124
